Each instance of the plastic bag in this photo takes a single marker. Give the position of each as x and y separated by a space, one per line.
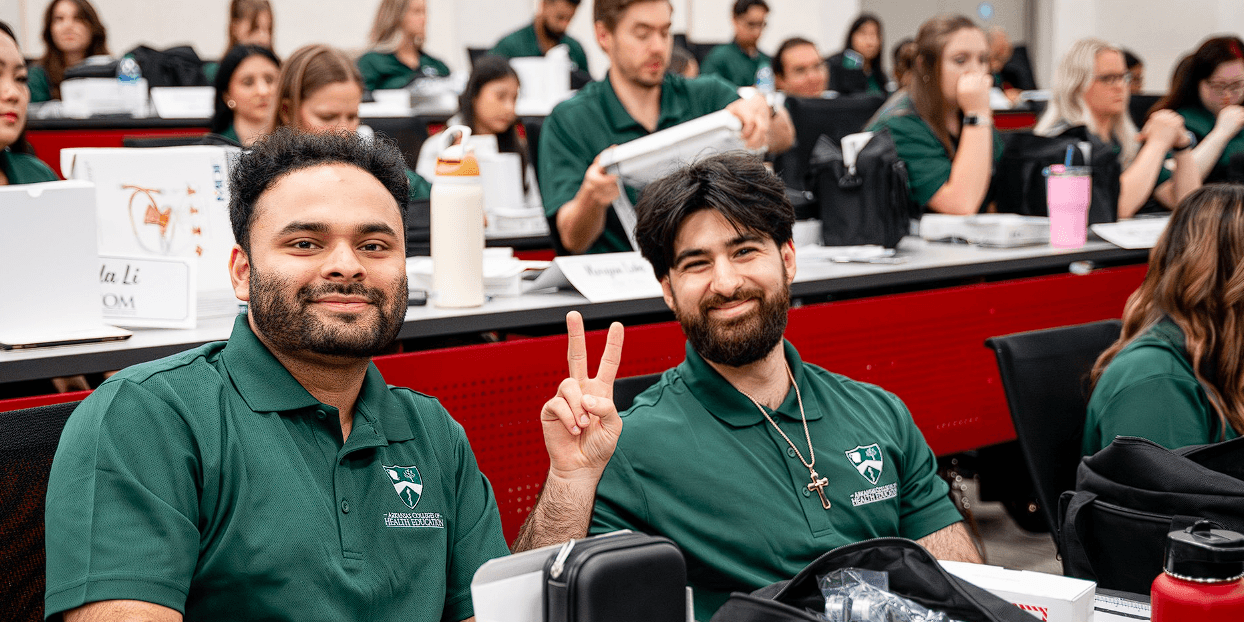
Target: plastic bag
857 595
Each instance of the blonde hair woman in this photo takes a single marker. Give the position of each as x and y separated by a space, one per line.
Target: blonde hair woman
397 37
1091 90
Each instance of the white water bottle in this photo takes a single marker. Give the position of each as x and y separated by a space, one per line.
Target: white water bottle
457 226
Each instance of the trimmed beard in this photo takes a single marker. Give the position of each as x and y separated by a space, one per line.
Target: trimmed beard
743 340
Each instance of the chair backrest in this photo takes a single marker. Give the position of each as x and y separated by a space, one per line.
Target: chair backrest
1138 107
475 54
625 390
27 445
813 117
1045 375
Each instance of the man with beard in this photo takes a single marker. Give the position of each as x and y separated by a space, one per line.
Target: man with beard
276 476
637 98
753 461
548 30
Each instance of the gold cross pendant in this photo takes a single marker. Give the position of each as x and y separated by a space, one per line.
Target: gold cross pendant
818 484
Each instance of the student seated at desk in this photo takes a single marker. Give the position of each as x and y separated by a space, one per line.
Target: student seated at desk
1207 92
397 38
546 31
739 61
857 68
246 94
320 91
250 23
1090 90
942 125
1176 374
17 164
72 31
487 107
798 70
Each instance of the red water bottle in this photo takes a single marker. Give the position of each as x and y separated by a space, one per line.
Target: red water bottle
1203 578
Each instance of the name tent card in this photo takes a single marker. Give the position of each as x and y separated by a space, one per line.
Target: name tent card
609 277
147 292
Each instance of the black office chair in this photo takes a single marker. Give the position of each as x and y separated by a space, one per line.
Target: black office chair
27 445
625 390
1138 107
1045 376
475 54
408 132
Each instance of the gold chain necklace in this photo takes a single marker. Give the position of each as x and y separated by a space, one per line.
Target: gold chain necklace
818 483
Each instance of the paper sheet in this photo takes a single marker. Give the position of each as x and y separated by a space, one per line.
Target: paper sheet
1132 234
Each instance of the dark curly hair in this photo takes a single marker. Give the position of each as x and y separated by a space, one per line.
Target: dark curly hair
287 150
736 184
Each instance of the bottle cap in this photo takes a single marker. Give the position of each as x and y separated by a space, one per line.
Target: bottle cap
1203 553
457 160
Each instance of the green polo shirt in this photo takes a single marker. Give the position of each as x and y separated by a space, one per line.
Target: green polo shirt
522 43
213 483
419 187
733 64
231 133
1150 390
698 463
385 71
581 127
40 85
23 168
1200 121
928 162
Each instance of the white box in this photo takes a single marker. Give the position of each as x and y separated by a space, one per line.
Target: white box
1051 598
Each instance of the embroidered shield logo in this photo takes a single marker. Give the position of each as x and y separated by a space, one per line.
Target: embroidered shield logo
407 483
868 461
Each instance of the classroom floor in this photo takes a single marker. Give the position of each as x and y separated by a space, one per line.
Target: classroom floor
1006 544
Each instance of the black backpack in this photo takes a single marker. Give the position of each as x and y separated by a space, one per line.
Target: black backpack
866 204
1128 496
176 66
1019 186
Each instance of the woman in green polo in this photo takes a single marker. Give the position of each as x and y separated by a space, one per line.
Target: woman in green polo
1176 374
397 38
1207 92
17 164
942 125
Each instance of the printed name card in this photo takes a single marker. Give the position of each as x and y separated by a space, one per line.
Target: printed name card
609 277
147 292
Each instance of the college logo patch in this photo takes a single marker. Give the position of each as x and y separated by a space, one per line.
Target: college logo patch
407 483
868 461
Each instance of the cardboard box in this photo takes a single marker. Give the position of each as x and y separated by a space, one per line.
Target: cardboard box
1051 598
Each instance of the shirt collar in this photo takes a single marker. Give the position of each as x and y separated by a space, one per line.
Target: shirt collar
673 107
729 405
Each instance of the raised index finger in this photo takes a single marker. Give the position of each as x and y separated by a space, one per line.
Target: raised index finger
576 350
612 358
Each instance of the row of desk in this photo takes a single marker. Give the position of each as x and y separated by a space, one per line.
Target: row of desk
916 329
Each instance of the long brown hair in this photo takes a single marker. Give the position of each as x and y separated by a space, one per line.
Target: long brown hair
53 61
1196 277
246 11
1198 66
926 82
309 69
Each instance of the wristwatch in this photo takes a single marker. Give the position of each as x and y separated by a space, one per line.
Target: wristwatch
1191 143
975 119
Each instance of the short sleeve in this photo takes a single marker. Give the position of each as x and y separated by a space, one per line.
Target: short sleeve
122 504
563 162
928 164
478 537
924 503
713 91
577 55
619 498
1168 409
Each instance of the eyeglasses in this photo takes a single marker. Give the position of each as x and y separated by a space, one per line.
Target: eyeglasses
1220 88
1114 79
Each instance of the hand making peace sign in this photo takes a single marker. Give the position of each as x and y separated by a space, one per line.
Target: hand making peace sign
581 424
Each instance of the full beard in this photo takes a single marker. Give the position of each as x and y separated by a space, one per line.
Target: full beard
743 340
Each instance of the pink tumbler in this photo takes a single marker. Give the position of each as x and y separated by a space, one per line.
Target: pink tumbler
1068 190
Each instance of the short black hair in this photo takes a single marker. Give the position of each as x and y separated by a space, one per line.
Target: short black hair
735 184
741 6
779 68
287 150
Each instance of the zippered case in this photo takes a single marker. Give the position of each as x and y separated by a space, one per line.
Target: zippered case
614 578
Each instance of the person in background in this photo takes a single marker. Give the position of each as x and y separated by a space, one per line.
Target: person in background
487 107
904 59
739 62
250 23
1000 52
942 125
1207 92
547 30
17 164
1136 67
857 68
319 90
397 56
683 63
72 31
798 69
246 94
1176 374
1090 90
637 98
